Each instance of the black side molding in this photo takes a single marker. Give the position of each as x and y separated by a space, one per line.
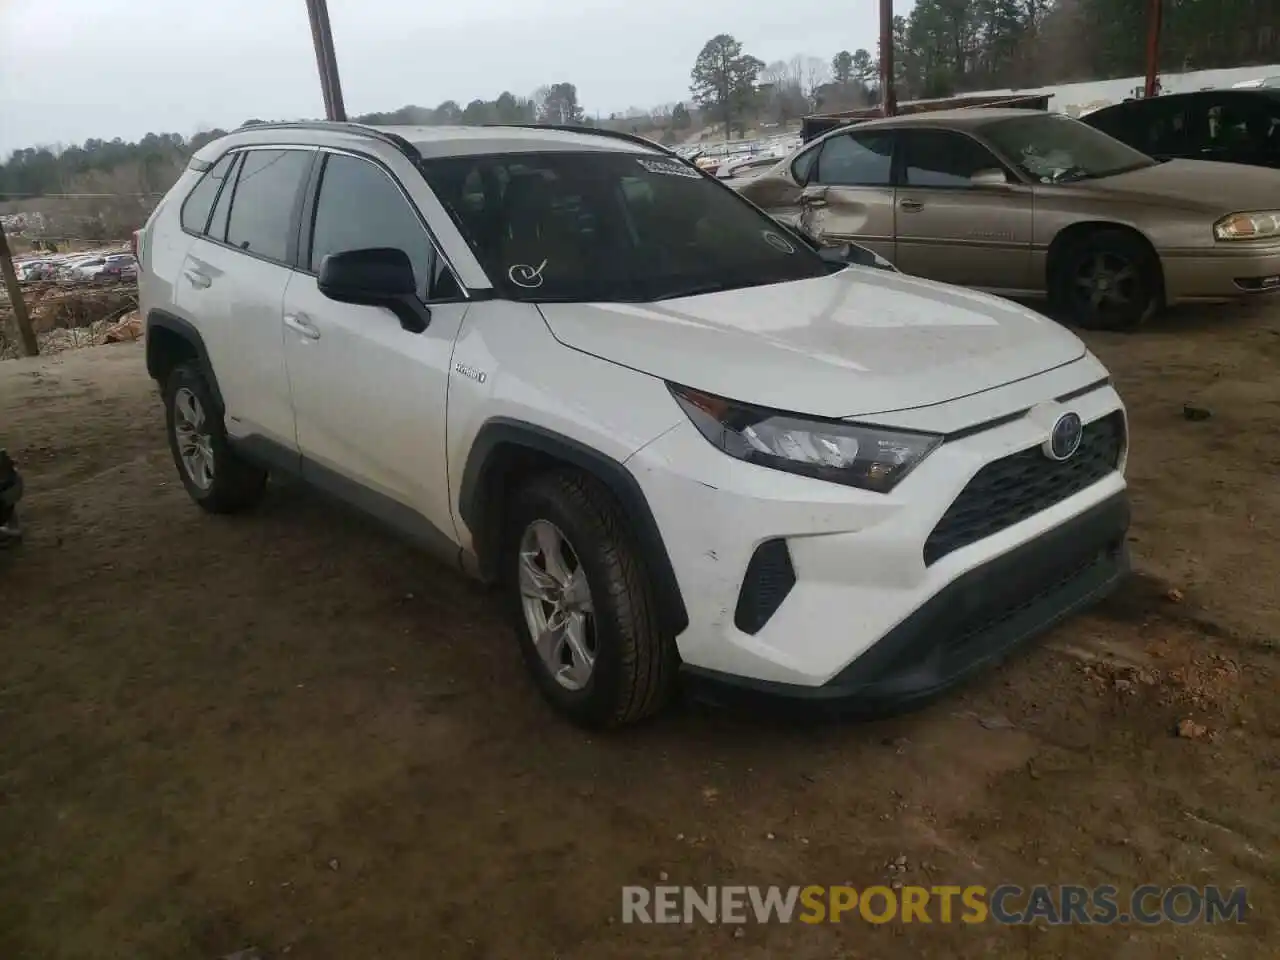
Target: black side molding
499 446
160 320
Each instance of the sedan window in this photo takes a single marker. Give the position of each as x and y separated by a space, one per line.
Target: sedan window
1050 148
943 158
861 161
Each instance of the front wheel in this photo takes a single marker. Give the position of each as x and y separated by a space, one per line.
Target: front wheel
1108 280
583 605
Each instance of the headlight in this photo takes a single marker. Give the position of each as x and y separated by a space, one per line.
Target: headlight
1248 226
867 457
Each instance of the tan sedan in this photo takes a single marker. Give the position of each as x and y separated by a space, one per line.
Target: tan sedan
1025 203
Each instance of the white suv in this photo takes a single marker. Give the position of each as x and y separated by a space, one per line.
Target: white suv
681 439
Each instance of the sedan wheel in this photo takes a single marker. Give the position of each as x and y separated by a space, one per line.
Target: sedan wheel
1108 280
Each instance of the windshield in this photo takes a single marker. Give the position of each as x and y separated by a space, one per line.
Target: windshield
1049 148
611 226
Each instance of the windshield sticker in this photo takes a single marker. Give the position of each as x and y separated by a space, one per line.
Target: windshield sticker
669 168
523 275
778 242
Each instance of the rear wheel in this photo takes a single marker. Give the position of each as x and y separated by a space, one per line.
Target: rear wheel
583 605
1107 280
216 477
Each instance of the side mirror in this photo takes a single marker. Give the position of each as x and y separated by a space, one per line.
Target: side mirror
846 254
993 177
375 277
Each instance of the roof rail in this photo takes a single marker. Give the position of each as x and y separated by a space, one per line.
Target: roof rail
596 131
343 126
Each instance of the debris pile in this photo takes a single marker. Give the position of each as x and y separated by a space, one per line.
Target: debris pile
107 330
66 315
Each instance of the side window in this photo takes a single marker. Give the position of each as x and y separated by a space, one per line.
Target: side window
218 222
1168 128
852 161
265 195
802 166
360 206
195 210
943 158
1242 124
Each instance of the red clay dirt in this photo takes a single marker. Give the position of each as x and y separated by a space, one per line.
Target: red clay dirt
290 732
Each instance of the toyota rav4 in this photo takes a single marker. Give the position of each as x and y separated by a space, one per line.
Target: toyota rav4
681 437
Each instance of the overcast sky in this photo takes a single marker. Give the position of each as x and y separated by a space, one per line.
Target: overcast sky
74 69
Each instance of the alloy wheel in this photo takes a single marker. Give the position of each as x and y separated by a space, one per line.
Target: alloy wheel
195 444
557 605
1107 283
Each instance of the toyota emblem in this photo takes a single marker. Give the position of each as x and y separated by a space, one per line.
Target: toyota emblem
1064 437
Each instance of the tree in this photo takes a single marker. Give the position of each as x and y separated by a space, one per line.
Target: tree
448 113
724 78
560 105
864 68
842 67
680 119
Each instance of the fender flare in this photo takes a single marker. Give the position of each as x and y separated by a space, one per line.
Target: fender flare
491 453
160 320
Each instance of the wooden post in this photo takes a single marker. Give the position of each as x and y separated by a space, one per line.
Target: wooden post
888 96
326 60
1155 21
28 336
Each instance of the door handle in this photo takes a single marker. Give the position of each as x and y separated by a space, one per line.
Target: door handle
814 198
911 206
197 279
299 323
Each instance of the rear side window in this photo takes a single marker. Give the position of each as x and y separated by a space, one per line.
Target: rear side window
218 222
195 211
262 206
849 161
359 207
802 166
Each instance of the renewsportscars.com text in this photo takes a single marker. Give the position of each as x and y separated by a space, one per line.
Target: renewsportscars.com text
1004 904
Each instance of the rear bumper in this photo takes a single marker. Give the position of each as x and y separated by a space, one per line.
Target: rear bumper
973 622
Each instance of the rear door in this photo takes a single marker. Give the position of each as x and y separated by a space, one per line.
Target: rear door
1241 128
848 192
951 229
233 279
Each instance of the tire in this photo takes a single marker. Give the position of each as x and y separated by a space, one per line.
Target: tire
634 666
231 483
1107 280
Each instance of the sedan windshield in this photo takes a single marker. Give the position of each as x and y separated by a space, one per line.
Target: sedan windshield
1050 148
611 226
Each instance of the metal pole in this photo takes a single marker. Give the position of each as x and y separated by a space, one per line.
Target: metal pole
1155 18
888 97
20 316
326 60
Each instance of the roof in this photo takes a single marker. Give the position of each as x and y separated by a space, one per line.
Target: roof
452 141
428 141
965 118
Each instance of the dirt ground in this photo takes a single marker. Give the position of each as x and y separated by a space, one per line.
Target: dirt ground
288 731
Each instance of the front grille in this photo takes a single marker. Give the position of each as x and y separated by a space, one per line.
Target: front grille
769 578
1021 485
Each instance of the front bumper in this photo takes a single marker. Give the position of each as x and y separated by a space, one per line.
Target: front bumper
972 623
1227 272
860 570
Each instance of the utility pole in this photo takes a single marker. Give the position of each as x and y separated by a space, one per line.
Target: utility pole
888 96
1155 21
326 60
28 336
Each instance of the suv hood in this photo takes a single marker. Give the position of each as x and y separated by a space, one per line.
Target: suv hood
854 343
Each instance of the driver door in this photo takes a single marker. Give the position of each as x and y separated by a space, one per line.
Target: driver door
954 230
